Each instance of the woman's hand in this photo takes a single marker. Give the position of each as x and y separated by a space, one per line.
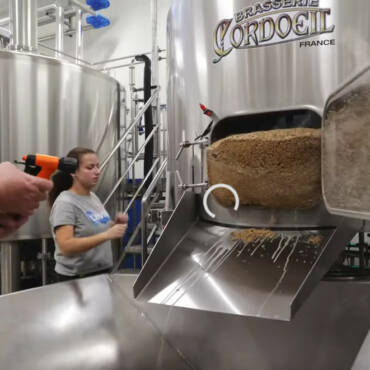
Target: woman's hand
121 218
116 231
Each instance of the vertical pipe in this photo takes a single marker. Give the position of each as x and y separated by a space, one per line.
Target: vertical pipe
59 39
155 74
135 147
23 25
144 226
202 162
9 267
134 139
44 257
154 16
119 206
79 37
133 113
361 247
122 131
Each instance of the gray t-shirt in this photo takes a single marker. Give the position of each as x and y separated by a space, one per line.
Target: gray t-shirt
88 217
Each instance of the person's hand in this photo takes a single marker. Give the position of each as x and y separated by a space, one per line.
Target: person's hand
116 231
10 223
121 218
21 193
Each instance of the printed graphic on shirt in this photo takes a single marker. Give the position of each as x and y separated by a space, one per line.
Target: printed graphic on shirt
96 218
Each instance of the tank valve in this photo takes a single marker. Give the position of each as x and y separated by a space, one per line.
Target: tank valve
187 144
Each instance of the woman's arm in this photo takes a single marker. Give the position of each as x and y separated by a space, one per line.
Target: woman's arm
69 245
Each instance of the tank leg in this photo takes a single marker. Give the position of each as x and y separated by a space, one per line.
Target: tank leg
9 267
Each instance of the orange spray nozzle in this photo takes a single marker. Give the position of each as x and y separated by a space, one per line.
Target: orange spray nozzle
42 165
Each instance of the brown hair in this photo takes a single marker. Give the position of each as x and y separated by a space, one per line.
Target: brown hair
62 180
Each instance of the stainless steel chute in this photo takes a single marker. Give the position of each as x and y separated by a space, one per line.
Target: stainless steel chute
195 264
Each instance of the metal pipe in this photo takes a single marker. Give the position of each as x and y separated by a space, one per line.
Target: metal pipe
59 39
134 142
145 208
153 183
122 58
131 164
69 32
83 7
4 21
154 72
142 185
23 25
5 32
192 186
9 267
119 66
79 36
44 258
136 120
67 55
123 128
46 8
154 17
152 233
129 243
201 162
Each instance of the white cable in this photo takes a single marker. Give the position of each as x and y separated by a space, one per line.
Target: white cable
213 187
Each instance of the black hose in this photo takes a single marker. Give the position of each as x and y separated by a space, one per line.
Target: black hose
149 149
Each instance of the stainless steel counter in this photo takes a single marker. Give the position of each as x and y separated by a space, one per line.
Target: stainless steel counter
84 324
95 323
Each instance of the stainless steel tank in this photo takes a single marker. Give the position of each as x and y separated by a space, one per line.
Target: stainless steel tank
50 106
254 65
243 57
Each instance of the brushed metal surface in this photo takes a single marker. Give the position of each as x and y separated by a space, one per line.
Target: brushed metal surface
326 333
196 264
83 324
95 323
271 78
50 106
252 216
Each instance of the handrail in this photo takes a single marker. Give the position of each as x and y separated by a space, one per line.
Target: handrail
131 164
106 69
141 223
142 185
157 176
136 120
145 209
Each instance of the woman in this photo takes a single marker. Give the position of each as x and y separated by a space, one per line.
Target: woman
81 226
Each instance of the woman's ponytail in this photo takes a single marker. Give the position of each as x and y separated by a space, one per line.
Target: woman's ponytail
62 180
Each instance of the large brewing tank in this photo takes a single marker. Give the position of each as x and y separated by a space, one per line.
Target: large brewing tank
50 106
257 65
227 56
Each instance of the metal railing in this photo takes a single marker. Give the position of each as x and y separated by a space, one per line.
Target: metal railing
132 125
145 206
145 241
156 171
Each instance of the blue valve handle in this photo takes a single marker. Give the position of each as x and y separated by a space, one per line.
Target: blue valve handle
97 21
98 4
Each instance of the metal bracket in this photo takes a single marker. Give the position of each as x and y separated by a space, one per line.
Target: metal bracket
187 144
192 186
